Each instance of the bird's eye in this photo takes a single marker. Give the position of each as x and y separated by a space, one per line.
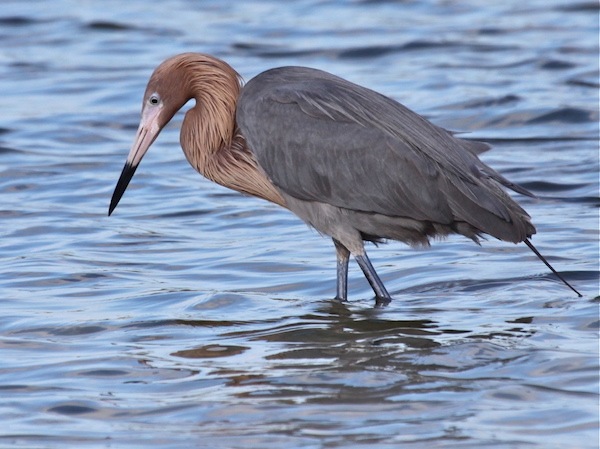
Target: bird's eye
154 99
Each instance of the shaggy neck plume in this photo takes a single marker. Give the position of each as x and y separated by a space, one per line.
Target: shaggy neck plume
209 137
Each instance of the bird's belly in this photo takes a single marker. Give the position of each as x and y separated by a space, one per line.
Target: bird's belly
351 227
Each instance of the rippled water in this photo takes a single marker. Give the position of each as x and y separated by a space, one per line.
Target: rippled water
195 317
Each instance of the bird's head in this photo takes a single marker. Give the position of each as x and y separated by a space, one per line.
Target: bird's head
214 85
165 94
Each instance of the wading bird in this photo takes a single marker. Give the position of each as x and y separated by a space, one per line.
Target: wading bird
352 163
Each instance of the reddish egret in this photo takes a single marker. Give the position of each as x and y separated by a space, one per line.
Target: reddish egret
352 163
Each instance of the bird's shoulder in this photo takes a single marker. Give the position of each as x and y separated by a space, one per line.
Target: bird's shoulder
289 96
318 94
296 91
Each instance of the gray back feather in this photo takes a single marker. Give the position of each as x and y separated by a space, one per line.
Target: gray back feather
321 138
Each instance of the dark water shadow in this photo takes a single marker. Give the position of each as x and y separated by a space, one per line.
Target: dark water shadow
337 332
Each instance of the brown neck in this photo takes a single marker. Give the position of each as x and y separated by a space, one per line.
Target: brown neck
234 166
209 136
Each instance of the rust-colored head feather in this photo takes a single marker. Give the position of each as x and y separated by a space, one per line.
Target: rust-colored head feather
213 83
209 136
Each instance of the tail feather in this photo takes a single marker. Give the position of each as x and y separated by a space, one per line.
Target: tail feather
543 259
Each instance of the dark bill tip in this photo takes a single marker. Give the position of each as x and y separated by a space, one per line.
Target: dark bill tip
126 175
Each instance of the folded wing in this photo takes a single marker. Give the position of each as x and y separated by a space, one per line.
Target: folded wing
321 138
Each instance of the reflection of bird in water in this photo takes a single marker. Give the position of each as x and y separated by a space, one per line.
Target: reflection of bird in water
350 162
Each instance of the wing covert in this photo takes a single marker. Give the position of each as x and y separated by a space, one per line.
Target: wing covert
321 138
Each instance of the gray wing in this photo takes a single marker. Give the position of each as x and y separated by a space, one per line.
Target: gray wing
321 138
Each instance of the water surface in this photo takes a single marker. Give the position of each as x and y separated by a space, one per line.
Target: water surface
196 317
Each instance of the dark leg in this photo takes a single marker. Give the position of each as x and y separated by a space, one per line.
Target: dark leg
343 256
382 297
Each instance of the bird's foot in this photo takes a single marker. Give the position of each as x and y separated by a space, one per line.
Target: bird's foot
382 301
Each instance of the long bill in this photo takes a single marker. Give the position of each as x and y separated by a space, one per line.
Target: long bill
146 134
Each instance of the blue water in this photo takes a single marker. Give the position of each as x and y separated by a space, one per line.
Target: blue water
197 317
